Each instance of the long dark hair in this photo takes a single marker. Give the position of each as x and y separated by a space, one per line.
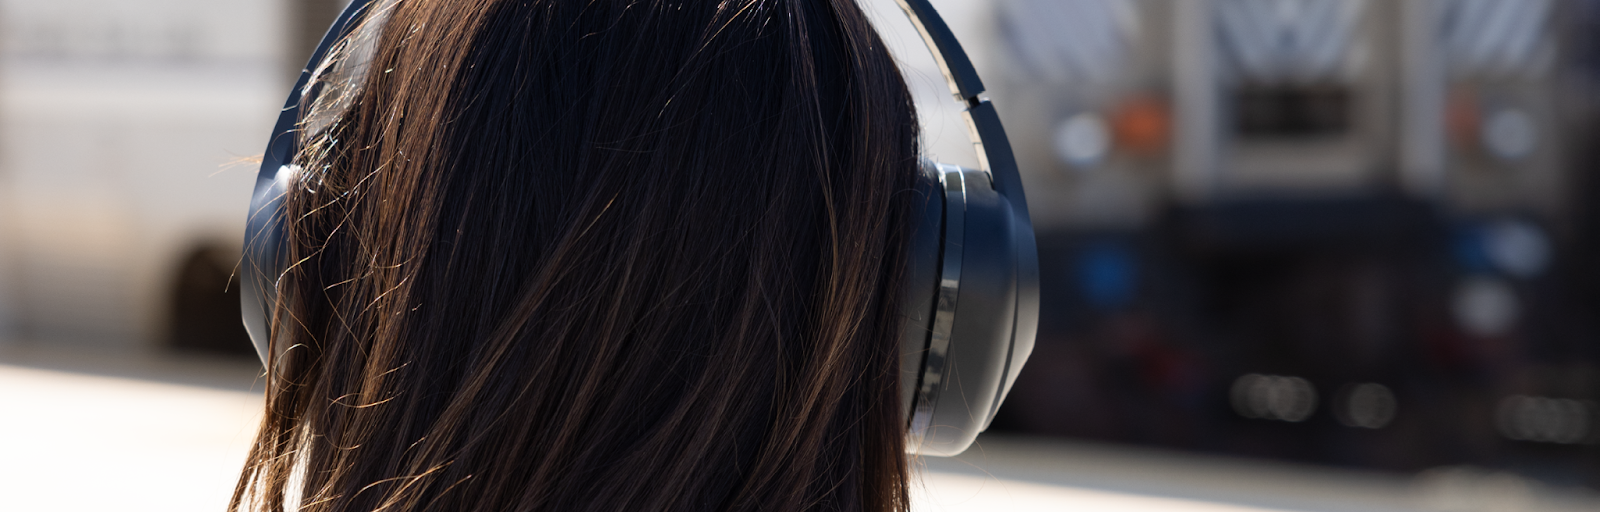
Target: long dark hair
596 255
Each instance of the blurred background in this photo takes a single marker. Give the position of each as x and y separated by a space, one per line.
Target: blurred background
1345 232
1296 254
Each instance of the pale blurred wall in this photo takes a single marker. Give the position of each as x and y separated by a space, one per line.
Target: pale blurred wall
118 123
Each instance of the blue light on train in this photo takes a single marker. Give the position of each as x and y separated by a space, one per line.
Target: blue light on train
1517 247
1107 275
1509 246
1470 252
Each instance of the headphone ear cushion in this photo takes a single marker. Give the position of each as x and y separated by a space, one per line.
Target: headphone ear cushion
1025 327
982 322
968 354
921 284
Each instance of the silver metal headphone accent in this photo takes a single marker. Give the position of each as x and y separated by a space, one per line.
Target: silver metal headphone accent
932 381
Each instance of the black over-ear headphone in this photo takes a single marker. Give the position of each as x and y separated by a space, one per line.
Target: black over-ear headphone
972 300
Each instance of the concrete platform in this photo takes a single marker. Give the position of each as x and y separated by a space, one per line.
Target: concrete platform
128 432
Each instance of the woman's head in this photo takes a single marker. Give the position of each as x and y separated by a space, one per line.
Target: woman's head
596 254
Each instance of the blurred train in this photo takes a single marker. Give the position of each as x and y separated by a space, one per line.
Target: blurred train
1356 232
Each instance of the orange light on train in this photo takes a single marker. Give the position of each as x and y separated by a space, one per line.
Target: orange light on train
1463 119
1142 125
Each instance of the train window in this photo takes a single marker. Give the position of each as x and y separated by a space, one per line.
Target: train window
1290 64
1291 111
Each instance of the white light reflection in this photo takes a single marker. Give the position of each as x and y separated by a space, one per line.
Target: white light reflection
1510 134
1273 397
1547 420
1517 247
1366 405
1083 140
1485 306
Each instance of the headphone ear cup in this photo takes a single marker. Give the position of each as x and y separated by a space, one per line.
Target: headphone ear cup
264 258
1025 325
921 282
970 339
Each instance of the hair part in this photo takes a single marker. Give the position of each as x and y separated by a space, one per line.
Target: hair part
595 255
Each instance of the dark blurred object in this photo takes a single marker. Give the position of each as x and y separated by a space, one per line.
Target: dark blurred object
205 306
1277 111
